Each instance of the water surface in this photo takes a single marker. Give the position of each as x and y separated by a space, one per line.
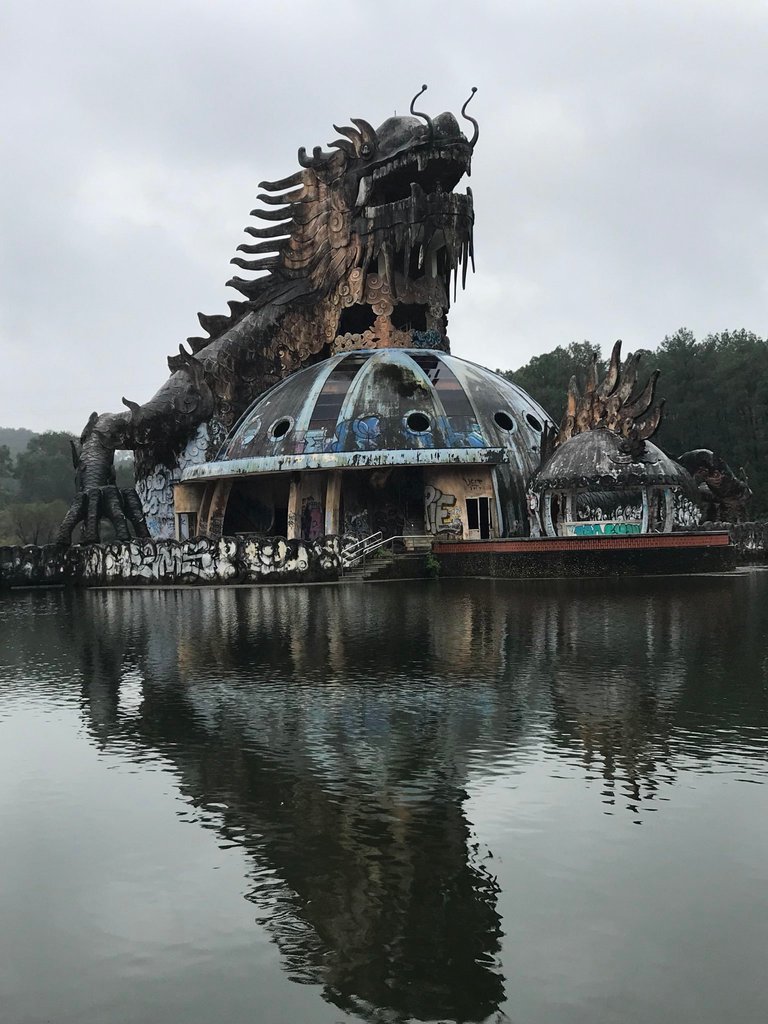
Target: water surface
459 801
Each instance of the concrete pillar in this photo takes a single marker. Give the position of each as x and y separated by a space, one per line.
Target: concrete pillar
187 499
294 508
333 503
218 509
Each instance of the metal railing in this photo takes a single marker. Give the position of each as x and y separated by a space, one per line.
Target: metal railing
354 552
357 553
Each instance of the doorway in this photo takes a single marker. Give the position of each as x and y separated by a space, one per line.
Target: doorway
479 518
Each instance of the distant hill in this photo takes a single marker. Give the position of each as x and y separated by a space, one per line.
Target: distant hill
16 438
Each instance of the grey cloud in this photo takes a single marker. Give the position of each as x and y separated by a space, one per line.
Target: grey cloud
618 181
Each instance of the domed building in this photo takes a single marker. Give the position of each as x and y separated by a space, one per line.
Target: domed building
406 441
605 477
598 483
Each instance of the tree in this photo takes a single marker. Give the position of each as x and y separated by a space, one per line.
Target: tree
716 393
6 461
34 522
44 469
546 376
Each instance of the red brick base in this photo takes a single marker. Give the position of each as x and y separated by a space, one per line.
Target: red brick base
542 545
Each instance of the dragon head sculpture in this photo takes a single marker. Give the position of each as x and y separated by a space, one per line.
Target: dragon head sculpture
361 242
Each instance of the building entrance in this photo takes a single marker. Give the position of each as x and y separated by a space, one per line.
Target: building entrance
479 518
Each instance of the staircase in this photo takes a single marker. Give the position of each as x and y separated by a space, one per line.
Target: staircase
372 557
370 568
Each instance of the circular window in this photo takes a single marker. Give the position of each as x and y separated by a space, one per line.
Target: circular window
281 427
250 432
417 422
536 424
504 420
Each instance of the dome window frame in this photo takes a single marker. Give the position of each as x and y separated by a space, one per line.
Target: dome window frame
421 415
250 431
503 414
273 429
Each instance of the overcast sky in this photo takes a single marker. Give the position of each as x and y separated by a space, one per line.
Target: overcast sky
620 180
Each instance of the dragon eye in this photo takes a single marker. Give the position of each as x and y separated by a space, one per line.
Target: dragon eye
365 149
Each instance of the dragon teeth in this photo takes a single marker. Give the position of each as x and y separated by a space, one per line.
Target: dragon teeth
364 191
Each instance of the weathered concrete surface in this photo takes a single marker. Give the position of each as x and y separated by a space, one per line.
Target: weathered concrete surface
274 560
167 562
749 539
591 558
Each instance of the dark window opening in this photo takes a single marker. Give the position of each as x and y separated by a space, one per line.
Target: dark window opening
249 510
473 514
409 317
533 421
281 428
356 319
417 422
505 421
280 526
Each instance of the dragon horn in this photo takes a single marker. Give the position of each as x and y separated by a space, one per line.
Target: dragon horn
650 423
612 377
318 157
468 117
367 132
88 428
304 160
418 113
642 402
345 145
133 406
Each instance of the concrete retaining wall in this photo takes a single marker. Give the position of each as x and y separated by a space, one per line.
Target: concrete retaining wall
749 539
274 560
158 562
559 564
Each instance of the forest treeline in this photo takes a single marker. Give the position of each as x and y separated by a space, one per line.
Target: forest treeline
716 393
37 483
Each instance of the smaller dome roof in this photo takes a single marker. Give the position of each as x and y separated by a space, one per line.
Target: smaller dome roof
601 458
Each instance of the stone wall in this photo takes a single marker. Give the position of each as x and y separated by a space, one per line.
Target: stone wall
750 539
159 562
594 562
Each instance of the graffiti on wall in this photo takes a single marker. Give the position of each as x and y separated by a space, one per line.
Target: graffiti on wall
362 434
687 513
155 490
161 562
356 524
311 519
603 528
228 560
442 514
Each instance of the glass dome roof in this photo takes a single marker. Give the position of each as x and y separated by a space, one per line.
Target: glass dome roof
385 406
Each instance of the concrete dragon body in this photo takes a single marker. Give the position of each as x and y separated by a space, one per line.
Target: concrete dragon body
356 249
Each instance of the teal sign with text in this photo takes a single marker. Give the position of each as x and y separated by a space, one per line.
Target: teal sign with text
602 529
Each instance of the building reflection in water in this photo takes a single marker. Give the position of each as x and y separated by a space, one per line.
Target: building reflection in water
334 731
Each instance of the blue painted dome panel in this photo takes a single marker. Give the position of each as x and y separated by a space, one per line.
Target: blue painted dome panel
389 400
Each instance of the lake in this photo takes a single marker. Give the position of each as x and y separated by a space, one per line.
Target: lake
535 802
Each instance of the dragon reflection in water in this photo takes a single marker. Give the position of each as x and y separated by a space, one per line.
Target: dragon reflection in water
350 781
